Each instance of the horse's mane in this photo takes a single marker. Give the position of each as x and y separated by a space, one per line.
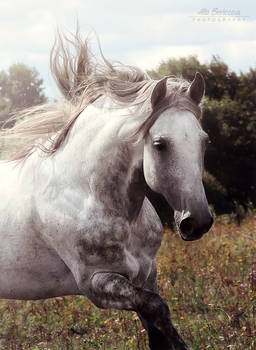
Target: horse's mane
82 79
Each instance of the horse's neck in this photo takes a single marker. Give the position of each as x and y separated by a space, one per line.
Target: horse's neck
118 181
103 164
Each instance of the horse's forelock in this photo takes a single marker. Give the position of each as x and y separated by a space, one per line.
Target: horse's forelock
176 97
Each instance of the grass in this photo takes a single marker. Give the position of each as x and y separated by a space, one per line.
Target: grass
210 286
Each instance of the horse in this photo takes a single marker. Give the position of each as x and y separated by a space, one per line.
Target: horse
75 218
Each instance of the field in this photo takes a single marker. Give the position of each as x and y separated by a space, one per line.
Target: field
210 286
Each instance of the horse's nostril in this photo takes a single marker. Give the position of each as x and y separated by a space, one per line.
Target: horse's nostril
191 230
186 226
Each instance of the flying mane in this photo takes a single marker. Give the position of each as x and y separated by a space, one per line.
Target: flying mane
82 79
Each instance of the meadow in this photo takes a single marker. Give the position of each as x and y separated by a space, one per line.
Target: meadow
210 286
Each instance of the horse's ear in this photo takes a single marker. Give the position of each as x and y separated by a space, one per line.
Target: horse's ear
197 88
159 92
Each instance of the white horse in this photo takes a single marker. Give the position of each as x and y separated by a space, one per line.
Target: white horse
74 215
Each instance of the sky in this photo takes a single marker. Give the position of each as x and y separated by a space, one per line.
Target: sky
136 32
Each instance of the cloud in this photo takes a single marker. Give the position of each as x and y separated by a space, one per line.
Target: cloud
136 32
152 57
240 55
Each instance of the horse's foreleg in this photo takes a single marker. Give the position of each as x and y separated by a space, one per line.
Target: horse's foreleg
156 339
155 316
112 290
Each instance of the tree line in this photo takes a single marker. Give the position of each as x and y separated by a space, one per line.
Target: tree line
20 87
229 119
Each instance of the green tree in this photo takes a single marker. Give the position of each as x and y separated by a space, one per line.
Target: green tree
219 81
20 87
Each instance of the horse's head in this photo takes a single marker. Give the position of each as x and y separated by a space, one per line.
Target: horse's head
173 159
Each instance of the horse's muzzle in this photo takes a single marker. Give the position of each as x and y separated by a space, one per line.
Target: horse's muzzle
190 229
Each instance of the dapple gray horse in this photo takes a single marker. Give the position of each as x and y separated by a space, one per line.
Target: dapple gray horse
74 216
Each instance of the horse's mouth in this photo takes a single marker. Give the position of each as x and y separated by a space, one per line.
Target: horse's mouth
194 234
193 237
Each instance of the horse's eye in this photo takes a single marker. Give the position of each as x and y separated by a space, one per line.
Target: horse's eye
159 144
